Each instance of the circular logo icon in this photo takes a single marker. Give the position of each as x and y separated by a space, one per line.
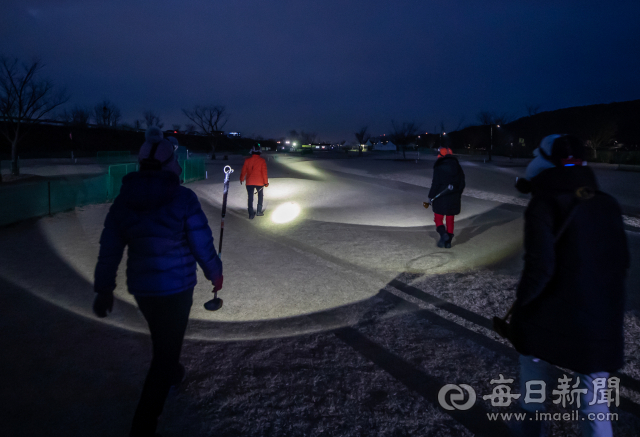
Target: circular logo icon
457 395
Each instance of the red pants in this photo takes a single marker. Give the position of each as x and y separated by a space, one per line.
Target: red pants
439 221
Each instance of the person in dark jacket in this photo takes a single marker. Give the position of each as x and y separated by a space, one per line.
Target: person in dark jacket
446 171
166 232
254 171
569 305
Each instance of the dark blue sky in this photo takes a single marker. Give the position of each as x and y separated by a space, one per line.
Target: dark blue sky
332 66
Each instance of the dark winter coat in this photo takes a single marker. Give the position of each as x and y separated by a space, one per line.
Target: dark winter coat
447 171
570 301
166 232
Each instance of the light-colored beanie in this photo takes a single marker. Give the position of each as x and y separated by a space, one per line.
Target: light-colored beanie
540 163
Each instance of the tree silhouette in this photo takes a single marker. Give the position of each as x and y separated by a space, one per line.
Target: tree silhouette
106 114
152 119
362 135
78 116
25 98
403 134
211 119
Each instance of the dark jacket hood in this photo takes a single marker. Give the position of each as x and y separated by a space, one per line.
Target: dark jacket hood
563 179
445 159
448 165
149 190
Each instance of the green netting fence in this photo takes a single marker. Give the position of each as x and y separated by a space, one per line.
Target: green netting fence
38 197
116 173
192 169
41 196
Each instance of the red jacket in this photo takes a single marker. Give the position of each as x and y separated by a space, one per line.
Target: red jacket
254 171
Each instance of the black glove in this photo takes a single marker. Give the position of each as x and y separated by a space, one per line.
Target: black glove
103 304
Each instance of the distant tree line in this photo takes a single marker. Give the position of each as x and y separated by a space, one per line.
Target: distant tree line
612 126
28 99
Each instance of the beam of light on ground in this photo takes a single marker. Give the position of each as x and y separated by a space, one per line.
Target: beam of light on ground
279 190
286 212
305 167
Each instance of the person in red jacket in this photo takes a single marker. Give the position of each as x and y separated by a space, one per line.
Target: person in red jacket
254 171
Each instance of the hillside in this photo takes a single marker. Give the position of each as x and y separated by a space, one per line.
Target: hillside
603 125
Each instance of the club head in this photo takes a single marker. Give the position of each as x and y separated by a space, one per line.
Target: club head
425 204
213 305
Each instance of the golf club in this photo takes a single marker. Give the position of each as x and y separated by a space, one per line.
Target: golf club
216 303
426 204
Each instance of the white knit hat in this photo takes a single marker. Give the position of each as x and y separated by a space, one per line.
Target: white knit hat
164 154
540 163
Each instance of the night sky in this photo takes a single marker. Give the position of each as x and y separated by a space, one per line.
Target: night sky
331 67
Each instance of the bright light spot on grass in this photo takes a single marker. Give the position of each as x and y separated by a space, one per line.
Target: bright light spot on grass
279 189
285 212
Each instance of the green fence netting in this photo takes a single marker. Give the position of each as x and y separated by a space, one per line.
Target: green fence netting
116 173
111 157
192 169
41 196
38 197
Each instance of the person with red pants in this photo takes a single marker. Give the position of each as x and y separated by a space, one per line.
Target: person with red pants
446 171
254 171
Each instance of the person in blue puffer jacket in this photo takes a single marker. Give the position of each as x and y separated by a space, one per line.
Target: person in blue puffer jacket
167 233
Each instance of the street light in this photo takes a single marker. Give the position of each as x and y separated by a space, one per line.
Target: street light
491 138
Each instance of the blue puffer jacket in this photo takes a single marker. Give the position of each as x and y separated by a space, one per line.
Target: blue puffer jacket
166 232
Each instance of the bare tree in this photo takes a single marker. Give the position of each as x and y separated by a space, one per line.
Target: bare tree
485 118
211 119
78 116
152 119
308 137
532 109
190 128
362 135
208 118
138 124
404 134
25 98
501 119
176 127
302 137
601 135
106 114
